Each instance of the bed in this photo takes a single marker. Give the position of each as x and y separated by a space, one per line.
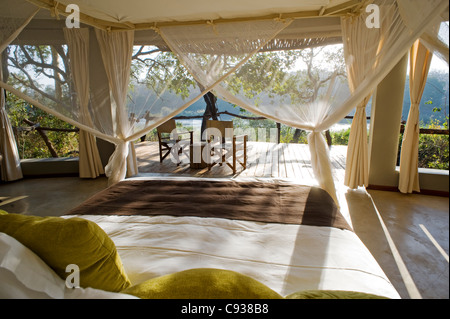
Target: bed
287 236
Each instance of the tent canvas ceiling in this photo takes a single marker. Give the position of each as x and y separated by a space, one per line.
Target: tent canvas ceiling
44 29
149 11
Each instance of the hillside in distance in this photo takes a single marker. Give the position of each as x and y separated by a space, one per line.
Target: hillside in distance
436 90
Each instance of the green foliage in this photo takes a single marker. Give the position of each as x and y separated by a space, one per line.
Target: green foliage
433 148
30 144
435 98
160 71
276 76
269 72
258 130
40 71
433 151
287 134
340 137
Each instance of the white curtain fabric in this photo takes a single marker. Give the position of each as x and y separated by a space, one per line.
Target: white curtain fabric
436 40
222 58
10 162
117 49
436 36
420 60
225 64
361 45
357 161
315 105
435 45
9 34
90 164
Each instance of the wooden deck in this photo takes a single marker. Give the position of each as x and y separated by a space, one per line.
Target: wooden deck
291 161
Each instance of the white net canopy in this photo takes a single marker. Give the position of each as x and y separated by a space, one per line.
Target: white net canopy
304 77
304 88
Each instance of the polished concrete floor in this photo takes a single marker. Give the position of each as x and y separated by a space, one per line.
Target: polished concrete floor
407 234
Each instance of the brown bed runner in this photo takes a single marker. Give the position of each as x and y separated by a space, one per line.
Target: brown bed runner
250 201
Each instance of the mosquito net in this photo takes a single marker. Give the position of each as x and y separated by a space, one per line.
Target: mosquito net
306 79
12 23
312 93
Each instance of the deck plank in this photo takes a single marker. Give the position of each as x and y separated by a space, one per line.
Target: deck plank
282 160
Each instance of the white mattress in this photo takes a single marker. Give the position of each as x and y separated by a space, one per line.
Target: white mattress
287 258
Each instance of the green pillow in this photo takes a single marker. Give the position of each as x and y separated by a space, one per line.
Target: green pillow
332 294
202 283
60 242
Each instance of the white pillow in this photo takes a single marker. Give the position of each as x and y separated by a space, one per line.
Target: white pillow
24 275
34 278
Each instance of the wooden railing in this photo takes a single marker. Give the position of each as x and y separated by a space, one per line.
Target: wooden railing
42 130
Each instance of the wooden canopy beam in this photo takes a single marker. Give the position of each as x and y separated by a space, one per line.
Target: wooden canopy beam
338 10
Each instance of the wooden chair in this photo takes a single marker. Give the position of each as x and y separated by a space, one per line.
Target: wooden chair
224 146
171 141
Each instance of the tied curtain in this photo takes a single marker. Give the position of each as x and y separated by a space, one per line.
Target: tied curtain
361 46
419 65
116 49
225 61
235 61
370 54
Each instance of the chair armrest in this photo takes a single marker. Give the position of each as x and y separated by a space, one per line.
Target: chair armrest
185 132
180 138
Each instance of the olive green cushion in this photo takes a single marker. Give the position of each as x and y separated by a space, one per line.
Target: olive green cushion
60 242
332 294
202 283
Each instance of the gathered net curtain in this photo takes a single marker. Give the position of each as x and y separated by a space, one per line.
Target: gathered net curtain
236 61
361 56
437 43
419 65
116 50
316 96
10 28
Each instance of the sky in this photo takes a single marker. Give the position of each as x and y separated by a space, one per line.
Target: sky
438 64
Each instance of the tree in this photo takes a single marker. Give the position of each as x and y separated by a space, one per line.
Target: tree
161 71
275 74
43 70
272 74
35 67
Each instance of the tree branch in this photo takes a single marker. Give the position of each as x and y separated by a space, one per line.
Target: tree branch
140 52
182 117
44 137
42 64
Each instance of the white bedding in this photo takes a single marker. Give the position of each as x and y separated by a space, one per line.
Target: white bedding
287 258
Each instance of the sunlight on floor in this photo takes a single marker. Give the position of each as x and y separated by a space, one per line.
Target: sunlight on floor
435 243
8 200
406 276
